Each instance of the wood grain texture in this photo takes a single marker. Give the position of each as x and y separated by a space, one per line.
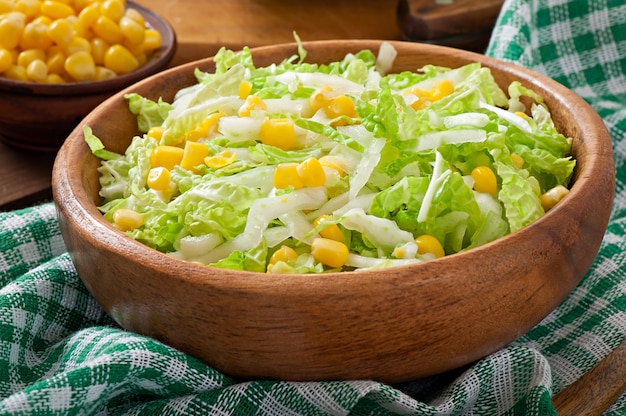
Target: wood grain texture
596 390
390 325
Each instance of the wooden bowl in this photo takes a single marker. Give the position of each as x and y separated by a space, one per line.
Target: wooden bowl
38 116
390 325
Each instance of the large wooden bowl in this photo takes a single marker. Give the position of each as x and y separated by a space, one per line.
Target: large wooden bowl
390 325
39 116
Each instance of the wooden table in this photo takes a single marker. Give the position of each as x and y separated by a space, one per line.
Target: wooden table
202 27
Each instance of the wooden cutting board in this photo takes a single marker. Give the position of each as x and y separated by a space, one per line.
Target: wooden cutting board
466 24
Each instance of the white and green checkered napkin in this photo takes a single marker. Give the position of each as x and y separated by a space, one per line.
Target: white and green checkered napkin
60 353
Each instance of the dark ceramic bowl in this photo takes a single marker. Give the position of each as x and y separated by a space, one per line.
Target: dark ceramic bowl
37 116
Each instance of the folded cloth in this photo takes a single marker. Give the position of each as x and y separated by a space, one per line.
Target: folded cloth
61 354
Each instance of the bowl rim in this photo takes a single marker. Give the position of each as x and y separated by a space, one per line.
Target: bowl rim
158 60
236 278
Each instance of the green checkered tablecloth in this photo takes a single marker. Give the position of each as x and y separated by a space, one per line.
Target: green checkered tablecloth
61 354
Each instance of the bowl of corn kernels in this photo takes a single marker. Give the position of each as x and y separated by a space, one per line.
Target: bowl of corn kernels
59 60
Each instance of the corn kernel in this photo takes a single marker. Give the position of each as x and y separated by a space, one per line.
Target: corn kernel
77 44
127 220
54 79
24 58
6 59
517 160
552 196
311 172
330 230
156 132
329 252
98 49
135 15
133 31
284 253
11 28
37 71
35 36
166 156
193 155
252 103
442 89
61 31
429 244
103 73
30 8
16 73
56 9
55 59
113 9
80 66
88 16
245 87
221 159
6 6
485 180
320 98
278 132
342 105
108 30
119 59
286 175
152 40
159 178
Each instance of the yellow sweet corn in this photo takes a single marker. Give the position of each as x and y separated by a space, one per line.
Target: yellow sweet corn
329 252
113 9
278 132
166 156
207 127
252 103
55 59
54 79
135 15
193 155
552 196
284 253
11 28
485 180
156 132
429 244
107 29
245 87
127 219
441 89
98 49
311 172
330 230
60 31
320 98
132 31
17 73
103 73
342 105
120 60
80 66
221 159
286 175
24 58
152 40
77 44
159 178
6 59
34 36
517 160
37 71
56 9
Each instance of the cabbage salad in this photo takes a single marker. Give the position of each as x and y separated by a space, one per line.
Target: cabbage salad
309 168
